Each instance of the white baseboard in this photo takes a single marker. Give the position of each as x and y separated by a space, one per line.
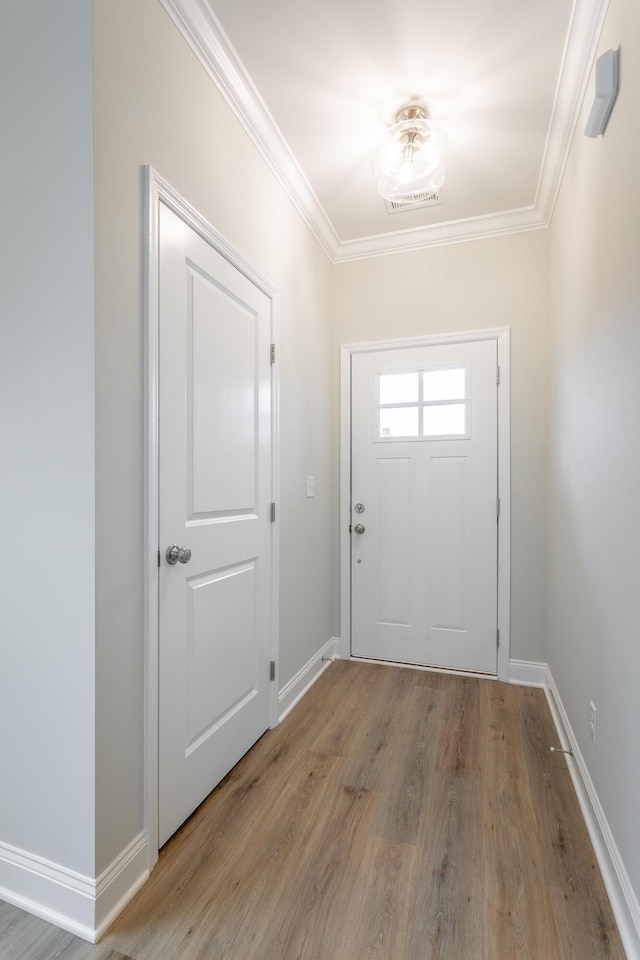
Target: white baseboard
70 900
339 653
48 890
120 882
624 902
295 689
528 673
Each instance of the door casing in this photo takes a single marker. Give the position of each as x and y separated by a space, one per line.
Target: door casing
156 190
502 337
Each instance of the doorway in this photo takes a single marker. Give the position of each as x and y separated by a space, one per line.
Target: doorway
212 539
425 501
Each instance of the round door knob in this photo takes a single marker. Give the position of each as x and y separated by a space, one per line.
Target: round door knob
176 554
359 528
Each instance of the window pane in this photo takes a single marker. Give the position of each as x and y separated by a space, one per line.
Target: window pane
445 384
399 387
444 420
399 422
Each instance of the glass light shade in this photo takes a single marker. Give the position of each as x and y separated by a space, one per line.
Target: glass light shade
410 159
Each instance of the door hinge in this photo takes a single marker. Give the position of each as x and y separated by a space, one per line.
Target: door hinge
272 670
498 636
498 507
497 376
273 513
273 353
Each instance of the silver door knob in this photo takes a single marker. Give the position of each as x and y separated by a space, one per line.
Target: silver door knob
176 554
359 528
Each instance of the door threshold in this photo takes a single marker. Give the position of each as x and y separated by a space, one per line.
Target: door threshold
427 668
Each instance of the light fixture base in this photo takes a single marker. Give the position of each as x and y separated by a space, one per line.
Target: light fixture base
413 111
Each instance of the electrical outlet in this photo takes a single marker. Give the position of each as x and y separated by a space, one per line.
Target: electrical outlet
593 728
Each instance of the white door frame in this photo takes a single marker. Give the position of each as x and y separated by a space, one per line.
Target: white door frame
502 337
157 190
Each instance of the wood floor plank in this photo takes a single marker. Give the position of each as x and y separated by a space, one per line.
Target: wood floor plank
233 865
382 905
459 738
311 920
578 898
395 814
411 761
450 891
518 917
345 712
367 750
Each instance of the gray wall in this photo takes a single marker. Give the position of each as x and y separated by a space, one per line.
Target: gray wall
46 431
594 468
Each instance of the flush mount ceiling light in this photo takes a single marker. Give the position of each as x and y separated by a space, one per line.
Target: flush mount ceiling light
411 159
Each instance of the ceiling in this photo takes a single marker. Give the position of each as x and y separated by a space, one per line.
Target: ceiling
317 82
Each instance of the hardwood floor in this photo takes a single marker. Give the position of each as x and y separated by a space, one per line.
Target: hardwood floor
394 815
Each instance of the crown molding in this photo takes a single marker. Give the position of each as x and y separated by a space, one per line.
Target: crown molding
585 28
440 234
201 29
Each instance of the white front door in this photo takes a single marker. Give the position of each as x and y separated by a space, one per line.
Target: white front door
214 499
424 505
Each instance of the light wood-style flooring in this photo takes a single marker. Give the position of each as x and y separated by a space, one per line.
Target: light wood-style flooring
396 814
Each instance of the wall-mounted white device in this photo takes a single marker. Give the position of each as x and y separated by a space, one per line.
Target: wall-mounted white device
607 80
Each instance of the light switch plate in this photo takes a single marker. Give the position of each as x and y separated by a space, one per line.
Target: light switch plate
311 486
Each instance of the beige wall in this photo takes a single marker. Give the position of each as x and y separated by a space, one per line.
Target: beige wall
594 476
155 104
488 283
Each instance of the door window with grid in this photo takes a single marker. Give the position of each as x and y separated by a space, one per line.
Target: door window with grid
424 404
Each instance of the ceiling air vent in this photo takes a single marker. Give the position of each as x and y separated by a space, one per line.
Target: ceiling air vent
414 202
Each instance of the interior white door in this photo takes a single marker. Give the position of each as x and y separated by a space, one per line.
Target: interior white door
214 499
424 505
